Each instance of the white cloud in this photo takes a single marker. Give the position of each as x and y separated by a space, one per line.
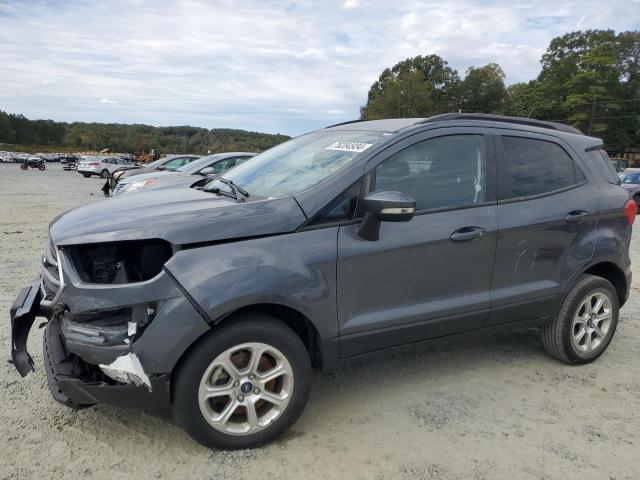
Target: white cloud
285 66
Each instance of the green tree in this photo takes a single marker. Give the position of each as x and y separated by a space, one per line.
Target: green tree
580 80
418 86
483 89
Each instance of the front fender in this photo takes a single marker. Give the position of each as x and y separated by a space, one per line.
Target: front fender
297 270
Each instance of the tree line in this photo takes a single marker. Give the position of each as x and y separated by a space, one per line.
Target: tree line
18 130
589 79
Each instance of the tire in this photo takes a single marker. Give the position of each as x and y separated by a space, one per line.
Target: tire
24 166
581 333
104 173
41 167
636 198
86 175
195 373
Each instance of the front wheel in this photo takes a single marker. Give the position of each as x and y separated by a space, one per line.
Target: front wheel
41 167
86 175
244 384
104 173
636 199
586 323
24 166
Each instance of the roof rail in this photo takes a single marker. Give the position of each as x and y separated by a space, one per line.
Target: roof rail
345 123
501 118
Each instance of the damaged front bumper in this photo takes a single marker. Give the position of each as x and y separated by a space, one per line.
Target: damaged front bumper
105 343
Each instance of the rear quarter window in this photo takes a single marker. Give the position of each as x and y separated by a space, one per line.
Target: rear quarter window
604 166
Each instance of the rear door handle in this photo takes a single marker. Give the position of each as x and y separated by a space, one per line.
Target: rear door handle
577 216
466 234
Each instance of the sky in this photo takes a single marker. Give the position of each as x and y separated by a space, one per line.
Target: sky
271 66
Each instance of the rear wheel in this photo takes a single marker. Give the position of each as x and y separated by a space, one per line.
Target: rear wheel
104 173
41 166
24 166
636 199
244 384
586 323
86 175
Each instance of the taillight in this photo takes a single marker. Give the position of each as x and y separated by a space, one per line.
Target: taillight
629 211
94 164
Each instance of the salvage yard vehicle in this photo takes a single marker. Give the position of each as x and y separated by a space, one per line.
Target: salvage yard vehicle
169 163
218 302
205 168
33 162
101 166
630 181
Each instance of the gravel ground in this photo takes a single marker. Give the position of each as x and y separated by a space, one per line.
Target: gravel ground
493 408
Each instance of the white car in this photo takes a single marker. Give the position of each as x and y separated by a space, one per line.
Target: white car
101 166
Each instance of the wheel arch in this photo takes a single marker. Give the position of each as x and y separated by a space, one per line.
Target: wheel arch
297 321
612 273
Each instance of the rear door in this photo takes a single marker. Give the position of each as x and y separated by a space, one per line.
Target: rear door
547 212
431 276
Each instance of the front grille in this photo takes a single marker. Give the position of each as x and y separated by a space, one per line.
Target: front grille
50 274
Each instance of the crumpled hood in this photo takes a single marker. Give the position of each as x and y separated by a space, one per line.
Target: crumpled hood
180 216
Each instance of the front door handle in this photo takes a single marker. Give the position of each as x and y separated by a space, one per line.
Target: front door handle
577 216
466 234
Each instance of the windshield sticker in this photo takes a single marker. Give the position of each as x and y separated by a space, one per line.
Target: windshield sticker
349 146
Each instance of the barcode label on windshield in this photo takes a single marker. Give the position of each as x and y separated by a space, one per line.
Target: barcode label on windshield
349 146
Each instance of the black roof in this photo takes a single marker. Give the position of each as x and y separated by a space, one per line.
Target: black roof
531 122
395 124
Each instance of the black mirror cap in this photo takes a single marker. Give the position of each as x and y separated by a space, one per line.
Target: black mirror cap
384 206
390 206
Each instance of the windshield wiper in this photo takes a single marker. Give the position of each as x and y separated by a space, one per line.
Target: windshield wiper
235 188
223 193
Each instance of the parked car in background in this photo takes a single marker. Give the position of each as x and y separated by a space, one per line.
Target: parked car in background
370 235
205 168
101 166
169 163
630 181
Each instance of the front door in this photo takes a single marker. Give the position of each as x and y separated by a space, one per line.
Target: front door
431 276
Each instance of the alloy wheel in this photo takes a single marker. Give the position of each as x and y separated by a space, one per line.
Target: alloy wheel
591 322
245 389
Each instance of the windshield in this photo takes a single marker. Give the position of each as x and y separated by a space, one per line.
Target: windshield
630 178
196 165
298 164
155 164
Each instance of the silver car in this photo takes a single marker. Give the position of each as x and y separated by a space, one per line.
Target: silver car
204 169
101 166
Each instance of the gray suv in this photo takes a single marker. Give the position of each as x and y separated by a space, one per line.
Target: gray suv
219 301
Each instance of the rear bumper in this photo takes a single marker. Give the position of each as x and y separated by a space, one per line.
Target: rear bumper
93 170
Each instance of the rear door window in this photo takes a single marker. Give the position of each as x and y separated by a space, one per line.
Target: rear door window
535 167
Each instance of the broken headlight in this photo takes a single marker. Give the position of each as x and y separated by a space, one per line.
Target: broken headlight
120 262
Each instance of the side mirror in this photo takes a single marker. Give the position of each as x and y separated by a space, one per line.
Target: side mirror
161 167
384 207
207 171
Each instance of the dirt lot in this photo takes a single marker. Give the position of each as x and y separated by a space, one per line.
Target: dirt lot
494 408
